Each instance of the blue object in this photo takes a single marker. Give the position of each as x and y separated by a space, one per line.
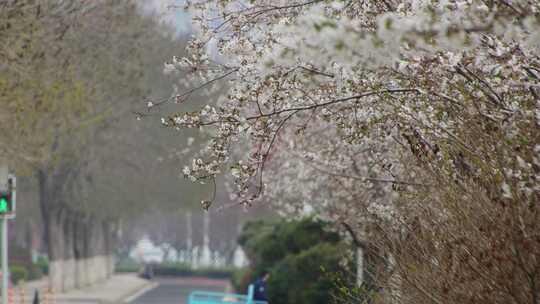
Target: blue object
259 290
206 297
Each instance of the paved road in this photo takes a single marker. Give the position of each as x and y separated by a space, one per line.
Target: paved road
176 290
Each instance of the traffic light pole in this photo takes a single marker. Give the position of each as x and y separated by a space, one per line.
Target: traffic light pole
5 271
7 183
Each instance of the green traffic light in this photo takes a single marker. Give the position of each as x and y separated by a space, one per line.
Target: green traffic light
3 205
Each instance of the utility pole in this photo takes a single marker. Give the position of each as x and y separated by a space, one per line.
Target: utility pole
7 211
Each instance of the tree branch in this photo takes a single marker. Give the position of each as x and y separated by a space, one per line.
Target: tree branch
335 101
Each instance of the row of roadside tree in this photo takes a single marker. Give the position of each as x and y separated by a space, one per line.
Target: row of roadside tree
73 75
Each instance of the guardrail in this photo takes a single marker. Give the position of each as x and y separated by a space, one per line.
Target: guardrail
207 297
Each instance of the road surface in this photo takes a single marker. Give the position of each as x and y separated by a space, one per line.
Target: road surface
176 290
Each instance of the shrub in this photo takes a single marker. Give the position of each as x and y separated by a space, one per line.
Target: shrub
302 278
43 263
267 243
183 270
240 279
18 273
295 253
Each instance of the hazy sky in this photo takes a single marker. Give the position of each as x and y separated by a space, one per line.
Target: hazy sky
169 11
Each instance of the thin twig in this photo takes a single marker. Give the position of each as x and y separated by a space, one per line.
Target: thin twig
265 157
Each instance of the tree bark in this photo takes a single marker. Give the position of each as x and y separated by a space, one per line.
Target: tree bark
69 273
189 238
80 247
109 240
92 251
80 231
87 251
55 216
56 249
206 258
98 243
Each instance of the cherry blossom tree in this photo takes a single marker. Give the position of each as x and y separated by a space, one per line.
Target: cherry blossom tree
412 124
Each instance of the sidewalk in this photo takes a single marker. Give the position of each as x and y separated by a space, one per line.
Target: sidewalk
113 291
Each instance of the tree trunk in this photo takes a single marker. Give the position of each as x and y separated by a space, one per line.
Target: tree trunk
56 249
109 242
69 273
80 231
206 257
57 229
80 248
99 261
87 251
189 238
92 265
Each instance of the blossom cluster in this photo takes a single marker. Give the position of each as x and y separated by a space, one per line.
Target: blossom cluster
322 74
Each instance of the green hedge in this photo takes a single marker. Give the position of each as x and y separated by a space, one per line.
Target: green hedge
176 270
127 265
127 269
18 273
25 272
182 270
